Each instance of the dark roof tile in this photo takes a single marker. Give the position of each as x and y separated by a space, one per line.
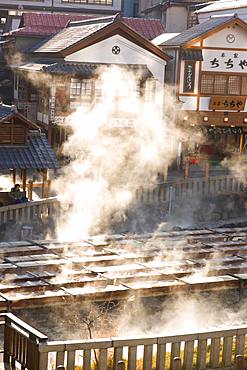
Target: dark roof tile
196 31
45 24
37 154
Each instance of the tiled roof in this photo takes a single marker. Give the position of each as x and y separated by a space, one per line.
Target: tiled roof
69 36
223 5
148 28
37 154
196 31
6 110
90 69
45 24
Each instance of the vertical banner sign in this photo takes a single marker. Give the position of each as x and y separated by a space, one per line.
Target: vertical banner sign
189 76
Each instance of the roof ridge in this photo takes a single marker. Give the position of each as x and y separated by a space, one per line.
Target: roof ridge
85 22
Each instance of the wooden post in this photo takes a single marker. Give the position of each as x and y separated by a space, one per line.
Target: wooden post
241 143
30 190
165 173
206 170
14 176
24 180
186 169
44 179
239 362
176 363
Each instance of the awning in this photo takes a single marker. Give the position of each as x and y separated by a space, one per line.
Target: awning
192 54
91 69
36 154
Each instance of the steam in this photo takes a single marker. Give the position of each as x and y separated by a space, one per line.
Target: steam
117 146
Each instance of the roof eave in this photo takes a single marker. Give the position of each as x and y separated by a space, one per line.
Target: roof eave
114 28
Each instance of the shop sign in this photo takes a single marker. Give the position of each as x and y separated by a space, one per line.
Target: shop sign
189 76
224 130
224 61
227 103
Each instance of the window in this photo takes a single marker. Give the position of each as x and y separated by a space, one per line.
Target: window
234 85
86 91
220 84
75 88
94 2
81 90
223 84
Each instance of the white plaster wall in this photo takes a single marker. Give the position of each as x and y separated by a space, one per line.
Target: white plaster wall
219 39
241 12
176 19
130 54
189 102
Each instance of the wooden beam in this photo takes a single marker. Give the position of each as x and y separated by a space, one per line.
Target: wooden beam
24 179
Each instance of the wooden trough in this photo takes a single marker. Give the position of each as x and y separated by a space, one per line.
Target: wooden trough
34 273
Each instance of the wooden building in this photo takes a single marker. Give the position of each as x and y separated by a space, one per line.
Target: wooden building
209 70
70 61
24 150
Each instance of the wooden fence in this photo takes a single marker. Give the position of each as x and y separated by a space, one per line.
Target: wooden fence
32 350
25 212
188 188
161 193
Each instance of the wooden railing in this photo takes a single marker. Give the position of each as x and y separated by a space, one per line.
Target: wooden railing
162 193
25 212
32 350
188 188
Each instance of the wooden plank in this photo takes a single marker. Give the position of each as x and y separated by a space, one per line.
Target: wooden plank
70 360
117 356
87 359
188 355
201 354
227 351
215 352
148 357
60 358
103 359
175 352
240 344
43 361
161 357
132 358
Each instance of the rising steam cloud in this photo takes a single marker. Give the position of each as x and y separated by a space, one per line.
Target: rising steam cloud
116 147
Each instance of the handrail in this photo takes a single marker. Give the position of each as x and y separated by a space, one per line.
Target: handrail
31 348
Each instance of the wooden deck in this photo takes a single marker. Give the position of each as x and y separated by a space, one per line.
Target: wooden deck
34 273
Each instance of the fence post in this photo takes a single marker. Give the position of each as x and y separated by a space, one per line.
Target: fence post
121 365
30 190
206 170
176 363
239 362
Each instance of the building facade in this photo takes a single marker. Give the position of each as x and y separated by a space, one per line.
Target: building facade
71 67
209 69
176 15
223 7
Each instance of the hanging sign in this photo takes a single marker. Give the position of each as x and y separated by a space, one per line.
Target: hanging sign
227 103
189 76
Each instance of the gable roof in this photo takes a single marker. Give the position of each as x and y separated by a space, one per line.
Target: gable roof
45 24
201 30
10 111
79 35
223 5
